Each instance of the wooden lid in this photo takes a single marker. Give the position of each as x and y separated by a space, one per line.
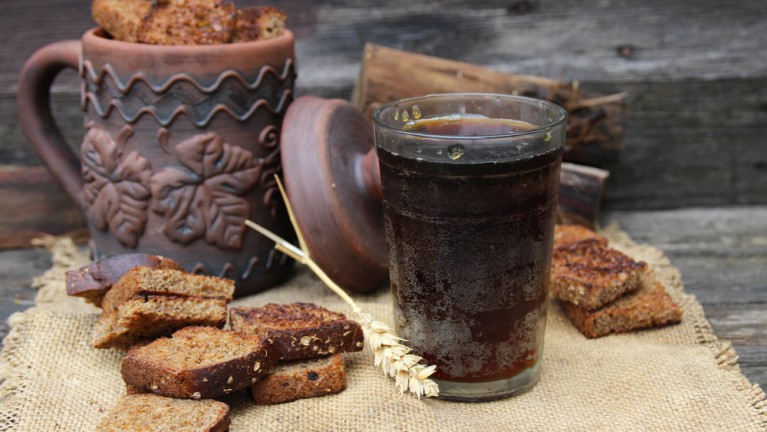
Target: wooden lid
324 144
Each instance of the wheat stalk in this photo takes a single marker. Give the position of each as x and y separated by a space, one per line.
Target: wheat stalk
390 354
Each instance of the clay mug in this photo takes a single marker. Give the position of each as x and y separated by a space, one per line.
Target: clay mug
182 145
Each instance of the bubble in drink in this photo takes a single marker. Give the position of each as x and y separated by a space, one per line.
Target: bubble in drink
455 151
416 112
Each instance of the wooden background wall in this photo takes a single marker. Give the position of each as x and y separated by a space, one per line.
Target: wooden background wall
696 72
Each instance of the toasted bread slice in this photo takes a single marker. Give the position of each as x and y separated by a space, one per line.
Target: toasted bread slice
152 413
198 363
143 319
300 380
93 281
259 22
143 281
649 307
591 275
299 330
566 235
189 22
121 18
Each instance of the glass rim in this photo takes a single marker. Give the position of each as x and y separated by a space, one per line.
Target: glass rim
562 116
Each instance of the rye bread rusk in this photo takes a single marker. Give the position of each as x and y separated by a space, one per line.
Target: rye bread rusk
188 22
142 281
152 413
649 307
145 318
259 23
566 235
590 275
300 380
198 363
299 330
120 18
92 282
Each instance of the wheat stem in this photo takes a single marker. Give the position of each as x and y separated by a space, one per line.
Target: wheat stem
392 356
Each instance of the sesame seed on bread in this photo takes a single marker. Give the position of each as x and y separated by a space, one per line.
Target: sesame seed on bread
649 307
300 380
198 363
188 22
299 330
590 275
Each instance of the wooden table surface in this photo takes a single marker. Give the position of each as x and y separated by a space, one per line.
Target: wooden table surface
692 179
721 252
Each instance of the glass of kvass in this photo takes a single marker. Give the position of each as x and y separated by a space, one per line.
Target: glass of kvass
470 187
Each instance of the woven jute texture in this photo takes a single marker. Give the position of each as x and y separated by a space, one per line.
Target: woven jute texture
680 378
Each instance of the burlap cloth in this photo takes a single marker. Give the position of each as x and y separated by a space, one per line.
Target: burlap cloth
680 378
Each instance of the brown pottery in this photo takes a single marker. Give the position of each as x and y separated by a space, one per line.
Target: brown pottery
182 145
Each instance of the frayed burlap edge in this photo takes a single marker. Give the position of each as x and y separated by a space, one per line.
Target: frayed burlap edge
66 255
722 350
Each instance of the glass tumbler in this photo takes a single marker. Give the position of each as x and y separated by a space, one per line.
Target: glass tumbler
470 187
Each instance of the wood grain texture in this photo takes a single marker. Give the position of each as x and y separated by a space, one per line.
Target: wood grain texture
721 252
722 255
35 211
694 71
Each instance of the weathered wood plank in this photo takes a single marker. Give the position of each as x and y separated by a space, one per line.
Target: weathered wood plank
17 269
32 204
722 255
697 80
672 40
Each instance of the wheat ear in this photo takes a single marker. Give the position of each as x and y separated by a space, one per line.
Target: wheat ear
390 354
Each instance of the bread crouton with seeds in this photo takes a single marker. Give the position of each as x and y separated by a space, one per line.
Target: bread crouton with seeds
188 22
566 235
259 23
590 275
142 281
152 413
300 380
121 19
198 363
649 307
148 303
145 318
299 330
92 282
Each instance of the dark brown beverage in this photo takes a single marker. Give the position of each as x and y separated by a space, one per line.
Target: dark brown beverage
470 244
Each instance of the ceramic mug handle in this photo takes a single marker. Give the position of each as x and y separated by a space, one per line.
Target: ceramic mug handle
33 104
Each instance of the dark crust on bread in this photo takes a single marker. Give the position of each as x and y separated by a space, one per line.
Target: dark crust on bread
591 275
300 380
142 369
567 235
299 330
93 281
120 18
138 281
253 23
134 405
649 307
189 22
145 318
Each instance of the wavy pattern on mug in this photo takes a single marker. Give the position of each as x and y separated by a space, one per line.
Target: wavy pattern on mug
88 71
183 109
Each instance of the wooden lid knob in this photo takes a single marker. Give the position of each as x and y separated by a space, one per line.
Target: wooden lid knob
324 148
